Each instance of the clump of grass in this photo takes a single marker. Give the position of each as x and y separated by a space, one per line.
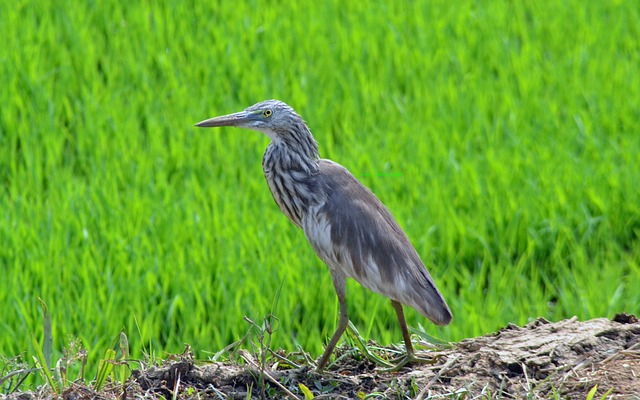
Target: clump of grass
13 372
57 376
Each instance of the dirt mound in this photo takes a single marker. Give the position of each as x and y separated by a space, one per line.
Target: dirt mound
567 358
564 360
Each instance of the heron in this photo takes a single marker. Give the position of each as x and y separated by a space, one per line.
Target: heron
348 227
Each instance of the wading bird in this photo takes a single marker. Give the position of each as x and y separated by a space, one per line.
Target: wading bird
347 226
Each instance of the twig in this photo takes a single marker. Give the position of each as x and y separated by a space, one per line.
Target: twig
249 359
630 350
282 358
306 356
176 386
17 372
218 393
526 377
433 380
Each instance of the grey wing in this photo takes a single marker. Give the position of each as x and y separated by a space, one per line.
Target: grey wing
354 233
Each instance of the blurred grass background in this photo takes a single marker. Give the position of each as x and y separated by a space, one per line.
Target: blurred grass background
502 135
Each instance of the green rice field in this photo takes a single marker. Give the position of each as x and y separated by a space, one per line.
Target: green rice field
504 137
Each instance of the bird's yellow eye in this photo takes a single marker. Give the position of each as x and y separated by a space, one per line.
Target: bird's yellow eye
267 113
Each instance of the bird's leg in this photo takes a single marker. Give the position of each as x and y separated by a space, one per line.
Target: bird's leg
403 326
343 321
410 356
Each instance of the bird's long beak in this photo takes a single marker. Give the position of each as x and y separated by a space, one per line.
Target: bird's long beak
236 119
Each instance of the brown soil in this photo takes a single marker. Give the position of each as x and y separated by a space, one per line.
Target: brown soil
540 360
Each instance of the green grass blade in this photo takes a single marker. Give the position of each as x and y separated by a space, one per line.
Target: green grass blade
362 346
308 395
121 369
41 364
104 369
592 393
47 342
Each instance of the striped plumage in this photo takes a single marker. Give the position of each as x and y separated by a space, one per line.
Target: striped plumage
346 224
290 159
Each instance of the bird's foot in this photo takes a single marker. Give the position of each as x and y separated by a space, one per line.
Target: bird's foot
408 358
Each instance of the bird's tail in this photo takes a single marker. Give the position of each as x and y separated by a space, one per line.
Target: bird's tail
422 295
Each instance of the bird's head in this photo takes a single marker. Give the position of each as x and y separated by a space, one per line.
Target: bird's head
274 118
